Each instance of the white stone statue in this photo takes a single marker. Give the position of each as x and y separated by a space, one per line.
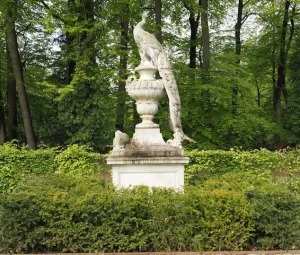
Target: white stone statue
120 140
152 53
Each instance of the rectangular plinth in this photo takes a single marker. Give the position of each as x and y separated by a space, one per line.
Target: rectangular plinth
155 172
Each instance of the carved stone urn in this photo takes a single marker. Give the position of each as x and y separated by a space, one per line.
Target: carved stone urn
146 91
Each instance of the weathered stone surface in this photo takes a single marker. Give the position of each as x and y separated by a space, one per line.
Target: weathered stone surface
148 151
151 171
158 161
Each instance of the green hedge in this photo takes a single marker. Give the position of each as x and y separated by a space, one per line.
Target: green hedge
276 217
17 162
56 201
27 161
59 213
205 164
63 213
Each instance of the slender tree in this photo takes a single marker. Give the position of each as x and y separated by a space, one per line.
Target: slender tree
241 18
3 134
158 11
12 45
124 23
194 19
11 101
284 46
205 37
238 49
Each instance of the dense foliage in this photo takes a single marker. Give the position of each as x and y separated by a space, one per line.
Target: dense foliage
63 66
238 200
19 162
204 164
236 66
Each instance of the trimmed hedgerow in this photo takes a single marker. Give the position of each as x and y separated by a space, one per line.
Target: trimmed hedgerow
27 161
59 213
17 162
55 201
63 213
205 164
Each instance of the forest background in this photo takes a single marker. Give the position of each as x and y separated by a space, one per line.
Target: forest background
63 68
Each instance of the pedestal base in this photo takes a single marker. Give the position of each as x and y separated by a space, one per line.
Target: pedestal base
153 172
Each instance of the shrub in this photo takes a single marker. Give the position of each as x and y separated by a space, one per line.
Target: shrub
27 161
9 179
78 160
277 218
72 209
207 164
19 162
62 213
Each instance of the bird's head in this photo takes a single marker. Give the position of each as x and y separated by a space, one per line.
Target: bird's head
144 16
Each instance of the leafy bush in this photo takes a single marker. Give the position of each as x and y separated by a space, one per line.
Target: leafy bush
18 162
9 179
27 161
78 160
226 223
239 201
206 164
276 217
275 208
62 213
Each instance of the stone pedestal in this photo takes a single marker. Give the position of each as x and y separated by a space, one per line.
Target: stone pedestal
151 171
147 163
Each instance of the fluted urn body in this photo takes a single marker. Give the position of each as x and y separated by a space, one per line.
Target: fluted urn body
146 91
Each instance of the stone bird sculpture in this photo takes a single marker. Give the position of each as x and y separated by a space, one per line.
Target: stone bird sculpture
152 52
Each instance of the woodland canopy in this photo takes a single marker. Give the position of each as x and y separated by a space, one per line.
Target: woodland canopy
63 66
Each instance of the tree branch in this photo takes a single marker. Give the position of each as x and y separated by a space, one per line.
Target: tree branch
246 3
49 9
247 15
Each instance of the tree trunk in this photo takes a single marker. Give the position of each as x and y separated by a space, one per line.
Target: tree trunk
3 134
11 101
274 76
158 7
274 61
194 23
291 36
205 37
71 63
238 49
258 93
11 38
122 73
280 86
